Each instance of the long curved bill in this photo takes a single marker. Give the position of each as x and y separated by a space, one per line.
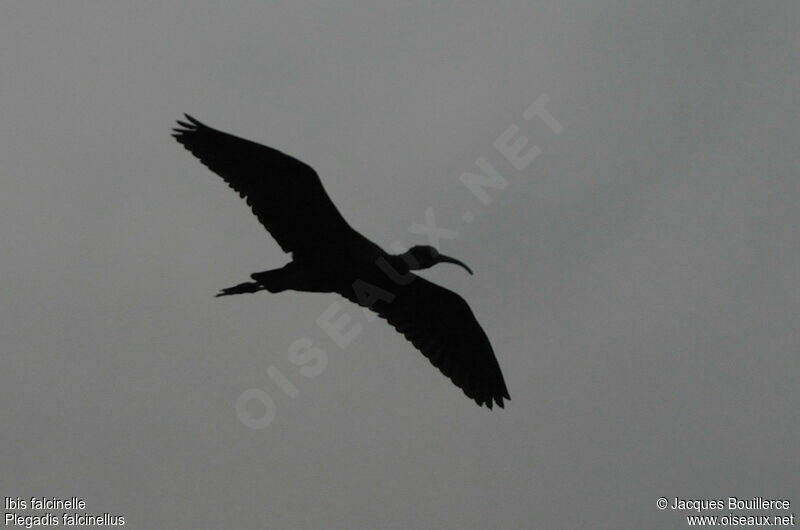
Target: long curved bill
441 258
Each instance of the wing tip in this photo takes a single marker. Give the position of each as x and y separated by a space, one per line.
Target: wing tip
186 127
193 120
485 394
492 400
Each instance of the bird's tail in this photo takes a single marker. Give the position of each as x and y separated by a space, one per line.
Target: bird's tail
247 287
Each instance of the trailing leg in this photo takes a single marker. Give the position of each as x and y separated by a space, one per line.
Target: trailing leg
247 287
296 276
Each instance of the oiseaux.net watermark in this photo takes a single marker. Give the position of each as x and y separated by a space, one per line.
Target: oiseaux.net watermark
731 511
255 408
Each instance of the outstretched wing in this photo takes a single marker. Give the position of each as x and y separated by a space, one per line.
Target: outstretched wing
440 324
284 193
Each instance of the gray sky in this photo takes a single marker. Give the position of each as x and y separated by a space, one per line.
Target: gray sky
639 279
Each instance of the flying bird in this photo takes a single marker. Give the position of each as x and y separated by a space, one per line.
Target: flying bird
288 198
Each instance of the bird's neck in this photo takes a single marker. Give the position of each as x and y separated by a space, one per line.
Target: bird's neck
403 263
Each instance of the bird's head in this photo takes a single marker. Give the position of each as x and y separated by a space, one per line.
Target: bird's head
425 256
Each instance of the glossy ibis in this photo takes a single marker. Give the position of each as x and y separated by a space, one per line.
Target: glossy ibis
329 256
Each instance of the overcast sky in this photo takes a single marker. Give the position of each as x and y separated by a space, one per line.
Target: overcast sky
639 278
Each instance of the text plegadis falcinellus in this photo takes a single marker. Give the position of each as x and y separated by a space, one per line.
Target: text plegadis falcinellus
329 256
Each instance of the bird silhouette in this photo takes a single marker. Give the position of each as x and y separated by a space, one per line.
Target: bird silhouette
287 197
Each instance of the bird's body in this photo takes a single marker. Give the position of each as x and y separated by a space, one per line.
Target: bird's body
328 255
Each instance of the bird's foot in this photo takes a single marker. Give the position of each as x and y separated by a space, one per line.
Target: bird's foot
247 287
